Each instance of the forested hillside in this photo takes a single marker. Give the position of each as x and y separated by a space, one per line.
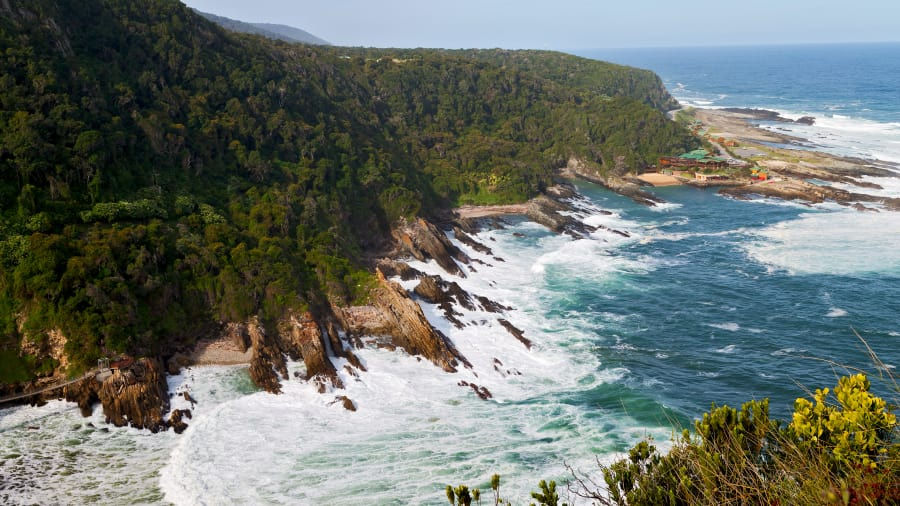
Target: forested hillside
159 174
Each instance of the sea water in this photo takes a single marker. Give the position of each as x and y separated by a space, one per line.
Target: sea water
707 300
853 90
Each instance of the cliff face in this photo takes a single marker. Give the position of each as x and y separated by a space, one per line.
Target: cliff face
137 396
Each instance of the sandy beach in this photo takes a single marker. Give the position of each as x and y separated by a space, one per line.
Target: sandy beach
484 211
219 352
657 179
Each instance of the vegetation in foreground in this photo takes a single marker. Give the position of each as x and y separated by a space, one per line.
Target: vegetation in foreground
840 448
159 174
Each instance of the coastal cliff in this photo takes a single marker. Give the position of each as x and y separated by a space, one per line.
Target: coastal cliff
150 207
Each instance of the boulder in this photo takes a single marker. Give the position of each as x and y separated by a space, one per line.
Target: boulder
424 241
392 268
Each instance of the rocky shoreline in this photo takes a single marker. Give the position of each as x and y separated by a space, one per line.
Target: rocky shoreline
137 394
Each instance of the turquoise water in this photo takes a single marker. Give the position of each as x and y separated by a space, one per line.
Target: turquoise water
715 322
709 300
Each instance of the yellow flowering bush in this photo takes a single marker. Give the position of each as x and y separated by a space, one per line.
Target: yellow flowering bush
854 430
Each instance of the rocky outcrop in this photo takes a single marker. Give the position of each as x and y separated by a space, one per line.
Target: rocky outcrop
801 190
392 268
136 396
482 392
806 120
345 401
424 241
548 212
404 322
518 334
464 238
579 169
267 361
301 337
446 294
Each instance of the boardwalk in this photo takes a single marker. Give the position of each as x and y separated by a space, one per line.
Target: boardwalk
10 398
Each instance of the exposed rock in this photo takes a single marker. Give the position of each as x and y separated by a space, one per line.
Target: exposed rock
481 392
801 190
464 238
806 120
267 361
301 337
83 393
346 402
578 168
760 114
392 268
137 396
491 306
409 329
176 362
517 333
547 212
50 344
176 420
237 333
424 241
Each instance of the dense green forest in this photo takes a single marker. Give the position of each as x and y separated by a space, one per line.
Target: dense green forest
159 174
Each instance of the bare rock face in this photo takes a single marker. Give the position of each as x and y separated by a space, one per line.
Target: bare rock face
424 241
405 323
50 344
136 396
83 393
300 336
392 268
548 212
237 334
267 361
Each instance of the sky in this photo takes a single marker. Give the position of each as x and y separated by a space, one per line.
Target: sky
573 24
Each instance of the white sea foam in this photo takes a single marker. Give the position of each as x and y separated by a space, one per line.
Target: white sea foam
415 428
727 349
855 243
729 326
836 312
844 135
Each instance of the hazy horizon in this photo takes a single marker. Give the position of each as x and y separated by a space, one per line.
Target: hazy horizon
573 24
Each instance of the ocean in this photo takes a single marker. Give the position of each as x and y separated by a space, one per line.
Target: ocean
853 90
709 300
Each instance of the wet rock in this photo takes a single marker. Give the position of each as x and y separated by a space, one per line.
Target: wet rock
424 241
136 396
579 169
517 333
409 329
481 392
806 120
176 420
464 238
548 212
345 401
301 336
392 268
267 361
176 362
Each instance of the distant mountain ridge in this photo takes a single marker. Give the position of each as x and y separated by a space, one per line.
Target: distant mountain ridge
268 30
